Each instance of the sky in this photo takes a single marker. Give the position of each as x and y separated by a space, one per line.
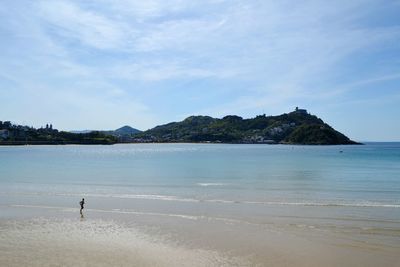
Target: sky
108 63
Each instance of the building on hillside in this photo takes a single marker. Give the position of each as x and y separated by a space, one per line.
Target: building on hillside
301 111
4 134
6 124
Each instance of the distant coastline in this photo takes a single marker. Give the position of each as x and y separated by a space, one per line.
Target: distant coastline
39 143
23 143
295 128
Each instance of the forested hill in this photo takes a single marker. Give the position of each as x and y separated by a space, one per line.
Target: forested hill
11 134
297 127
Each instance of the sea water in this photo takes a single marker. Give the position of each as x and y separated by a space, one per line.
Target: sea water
356 176
351 190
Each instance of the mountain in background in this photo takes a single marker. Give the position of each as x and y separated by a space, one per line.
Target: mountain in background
123 131
297 127
126 130
123 134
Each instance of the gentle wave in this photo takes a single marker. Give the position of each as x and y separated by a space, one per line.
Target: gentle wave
210 184
110 211
364 204
122 211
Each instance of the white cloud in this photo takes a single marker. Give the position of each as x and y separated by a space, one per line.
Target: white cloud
177 35
254 55
88 27
143 10
355 85
158 70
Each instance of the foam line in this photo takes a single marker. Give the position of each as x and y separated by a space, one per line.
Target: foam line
363 204
189 217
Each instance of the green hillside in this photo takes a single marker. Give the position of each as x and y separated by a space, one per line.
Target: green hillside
297 127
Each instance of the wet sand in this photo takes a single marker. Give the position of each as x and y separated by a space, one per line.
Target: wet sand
54 236
42 242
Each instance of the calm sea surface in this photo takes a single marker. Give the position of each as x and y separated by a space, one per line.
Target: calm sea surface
359 176
234 181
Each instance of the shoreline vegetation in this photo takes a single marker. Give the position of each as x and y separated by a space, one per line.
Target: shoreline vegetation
294 128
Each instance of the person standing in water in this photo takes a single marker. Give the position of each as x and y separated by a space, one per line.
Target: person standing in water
82 203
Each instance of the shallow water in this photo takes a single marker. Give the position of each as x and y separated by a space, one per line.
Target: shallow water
350 194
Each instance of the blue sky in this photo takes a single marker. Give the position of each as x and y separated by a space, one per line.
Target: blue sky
107 63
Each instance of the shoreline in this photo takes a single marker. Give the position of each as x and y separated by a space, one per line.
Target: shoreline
56 235
38 143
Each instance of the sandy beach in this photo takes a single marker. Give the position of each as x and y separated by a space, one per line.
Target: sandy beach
42 242
59 237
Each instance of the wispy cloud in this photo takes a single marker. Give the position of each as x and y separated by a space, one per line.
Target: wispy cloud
90 28
177 34
146 10
156 59
159 70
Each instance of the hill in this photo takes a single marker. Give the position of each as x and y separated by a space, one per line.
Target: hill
11 134
126 130
297 127
123 132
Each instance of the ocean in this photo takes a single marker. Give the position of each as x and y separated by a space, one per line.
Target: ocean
190 194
